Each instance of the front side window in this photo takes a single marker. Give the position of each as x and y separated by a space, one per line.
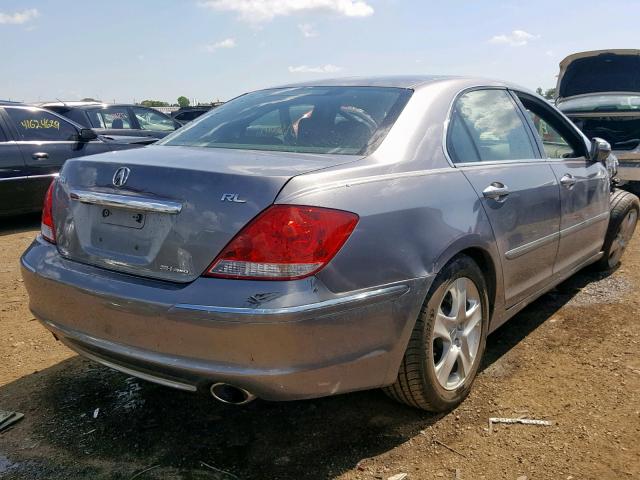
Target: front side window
341 120
555 146
34 124
110 117
152 120
558 139
486 127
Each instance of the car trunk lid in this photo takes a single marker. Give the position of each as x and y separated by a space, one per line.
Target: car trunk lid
176 209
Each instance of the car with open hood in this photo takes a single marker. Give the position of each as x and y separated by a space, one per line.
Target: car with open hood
325 237
600 92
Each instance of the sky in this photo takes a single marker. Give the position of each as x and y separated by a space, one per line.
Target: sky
207 50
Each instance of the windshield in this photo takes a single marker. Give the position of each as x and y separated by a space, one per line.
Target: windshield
602 103
340 120
606 72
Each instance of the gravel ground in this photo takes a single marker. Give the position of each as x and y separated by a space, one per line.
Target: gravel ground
571 358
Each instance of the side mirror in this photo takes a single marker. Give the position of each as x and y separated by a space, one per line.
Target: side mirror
600 150
177 124
86 135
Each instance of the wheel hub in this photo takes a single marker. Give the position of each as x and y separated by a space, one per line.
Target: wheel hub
457 333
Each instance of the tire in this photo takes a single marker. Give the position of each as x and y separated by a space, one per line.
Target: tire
625 208
418 384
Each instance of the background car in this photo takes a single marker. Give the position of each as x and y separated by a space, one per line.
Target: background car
116 119
34 144
600 92
376 244
187 114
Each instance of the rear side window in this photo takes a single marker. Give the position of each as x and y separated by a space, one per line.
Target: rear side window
340 120
152 120
110 117
34 124
486 127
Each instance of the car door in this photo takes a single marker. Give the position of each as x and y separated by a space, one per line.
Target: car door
14 187
489 140
584 184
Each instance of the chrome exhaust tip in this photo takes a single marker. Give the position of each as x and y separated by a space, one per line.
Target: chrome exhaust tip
225 393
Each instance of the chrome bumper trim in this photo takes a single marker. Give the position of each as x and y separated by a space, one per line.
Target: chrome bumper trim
130 371
128 202
379 294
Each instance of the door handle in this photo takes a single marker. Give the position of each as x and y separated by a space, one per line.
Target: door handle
40 156
567 181
496 191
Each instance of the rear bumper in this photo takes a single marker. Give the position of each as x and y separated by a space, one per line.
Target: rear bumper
278 340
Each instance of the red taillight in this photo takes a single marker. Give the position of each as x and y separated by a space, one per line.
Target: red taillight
47 228
285 242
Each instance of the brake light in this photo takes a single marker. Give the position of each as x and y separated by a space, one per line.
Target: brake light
285 242
47 228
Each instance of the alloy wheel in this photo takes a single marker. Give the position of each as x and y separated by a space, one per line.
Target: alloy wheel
457 332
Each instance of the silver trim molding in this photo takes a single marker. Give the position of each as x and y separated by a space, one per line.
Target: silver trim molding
130 371
378 294
528 247
579 226
128 202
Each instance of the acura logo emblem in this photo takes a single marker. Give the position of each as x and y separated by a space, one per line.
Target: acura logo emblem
121 176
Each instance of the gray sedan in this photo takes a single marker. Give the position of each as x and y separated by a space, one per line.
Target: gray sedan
322 238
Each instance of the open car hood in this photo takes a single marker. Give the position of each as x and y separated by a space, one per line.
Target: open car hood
599 71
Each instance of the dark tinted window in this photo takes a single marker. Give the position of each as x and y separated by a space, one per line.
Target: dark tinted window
3 137
188 116
110 117
345 120
34 124
486 126
76 115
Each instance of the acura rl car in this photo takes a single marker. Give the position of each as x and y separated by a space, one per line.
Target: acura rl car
322 238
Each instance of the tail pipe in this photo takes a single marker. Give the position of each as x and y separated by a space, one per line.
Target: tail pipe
231 394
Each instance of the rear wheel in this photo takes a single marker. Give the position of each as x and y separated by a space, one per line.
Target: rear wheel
622 223
447 342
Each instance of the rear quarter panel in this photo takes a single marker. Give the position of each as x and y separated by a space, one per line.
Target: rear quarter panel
411 224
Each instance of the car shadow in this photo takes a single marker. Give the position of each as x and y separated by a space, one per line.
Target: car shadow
19 223
91 416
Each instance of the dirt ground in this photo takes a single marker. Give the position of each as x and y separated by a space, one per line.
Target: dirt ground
572 357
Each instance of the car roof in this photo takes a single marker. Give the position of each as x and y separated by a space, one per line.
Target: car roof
11 103
85 105
405 81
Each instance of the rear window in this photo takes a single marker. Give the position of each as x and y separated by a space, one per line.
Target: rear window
340 120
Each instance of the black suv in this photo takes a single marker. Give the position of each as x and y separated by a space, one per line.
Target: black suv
34 143
116 119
